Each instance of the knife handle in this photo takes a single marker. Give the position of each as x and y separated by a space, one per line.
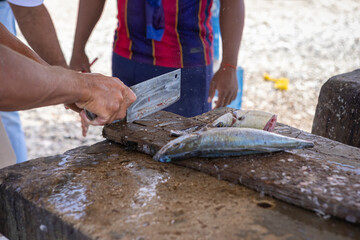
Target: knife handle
91 116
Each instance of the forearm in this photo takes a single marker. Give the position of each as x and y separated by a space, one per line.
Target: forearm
88 15
9 40
28 84
38 29
232 14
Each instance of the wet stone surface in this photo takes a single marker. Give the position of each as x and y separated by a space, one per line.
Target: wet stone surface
107 192
324 179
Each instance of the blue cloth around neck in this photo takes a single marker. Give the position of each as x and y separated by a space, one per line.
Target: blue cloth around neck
155 20
152 33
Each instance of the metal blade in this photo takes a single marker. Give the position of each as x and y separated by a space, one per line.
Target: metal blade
154 94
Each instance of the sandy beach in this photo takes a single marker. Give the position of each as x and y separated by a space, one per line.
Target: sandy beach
306 41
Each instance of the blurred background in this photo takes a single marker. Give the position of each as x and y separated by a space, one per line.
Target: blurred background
306 41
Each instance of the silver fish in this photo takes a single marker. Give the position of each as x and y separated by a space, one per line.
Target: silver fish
222 142
243 119
247 119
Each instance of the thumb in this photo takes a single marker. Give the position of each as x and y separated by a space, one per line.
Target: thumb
211 91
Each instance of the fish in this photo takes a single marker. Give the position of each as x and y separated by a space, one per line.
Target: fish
243 119
247 119
227 141
177 133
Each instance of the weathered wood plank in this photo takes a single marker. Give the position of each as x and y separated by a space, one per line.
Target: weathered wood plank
106 192
325 179
337 113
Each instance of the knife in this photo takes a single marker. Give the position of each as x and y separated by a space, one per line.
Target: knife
152 95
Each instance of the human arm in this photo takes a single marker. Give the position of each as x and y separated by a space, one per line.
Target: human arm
27 84
232 14
9 40
88 15
37 27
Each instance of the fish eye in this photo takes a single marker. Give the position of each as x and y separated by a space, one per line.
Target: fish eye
241 118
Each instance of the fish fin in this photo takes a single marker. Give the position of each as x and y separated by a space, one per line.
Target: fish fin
177 133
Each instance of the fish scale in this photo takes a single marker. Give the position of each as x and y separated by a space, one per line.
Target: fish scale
222 142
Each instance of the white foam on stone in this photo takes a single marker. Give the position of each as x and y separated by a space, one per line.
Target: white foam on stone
70 200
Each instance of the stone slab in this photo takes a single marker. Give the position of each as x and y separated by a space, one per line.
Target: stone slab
107 192
337 113
325 179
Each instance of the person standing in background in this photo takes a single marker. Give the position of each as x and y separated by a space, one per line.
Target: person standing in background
154 37
38 29
11 120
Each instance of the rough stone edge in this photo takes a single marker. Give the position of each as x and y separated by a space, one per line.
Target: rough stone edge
317 129
17 223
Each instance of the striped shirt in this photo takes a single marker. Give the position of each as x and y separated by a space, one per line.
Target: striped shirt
187 39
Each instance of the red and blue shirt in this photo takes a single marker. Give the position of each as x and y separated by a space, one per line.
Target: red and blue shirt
187 39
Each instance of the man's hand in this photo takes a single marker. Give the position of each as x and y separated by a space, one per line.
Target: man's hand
88 15
80 62
232 13
225 82
107 97
28 84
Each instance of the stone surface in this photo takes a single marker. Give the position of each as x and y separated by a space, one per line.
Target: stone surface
324 179
338 110
107 192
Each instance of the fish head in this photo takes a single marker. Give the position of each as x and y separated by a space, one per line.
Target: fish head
255 119
185 145
225 120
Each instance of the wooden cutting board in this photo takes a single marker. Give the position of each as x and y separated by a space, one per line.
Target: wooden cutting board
325 179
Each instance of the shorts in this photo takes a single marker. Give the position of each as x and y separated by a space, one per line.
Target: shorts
195 83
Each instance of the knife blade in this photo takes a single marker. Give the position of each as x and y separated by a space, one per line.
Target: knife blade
152 95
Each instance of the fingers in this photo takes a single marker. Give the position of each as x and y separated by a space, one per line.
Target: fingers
226 85
81 67
80 62
85 69
108 98
228 100
84 125
72 107
212 91
230 97
225 98
128 98
98 121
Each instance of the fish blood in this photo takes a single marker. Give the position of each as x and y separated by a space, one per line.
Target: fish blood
247 119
